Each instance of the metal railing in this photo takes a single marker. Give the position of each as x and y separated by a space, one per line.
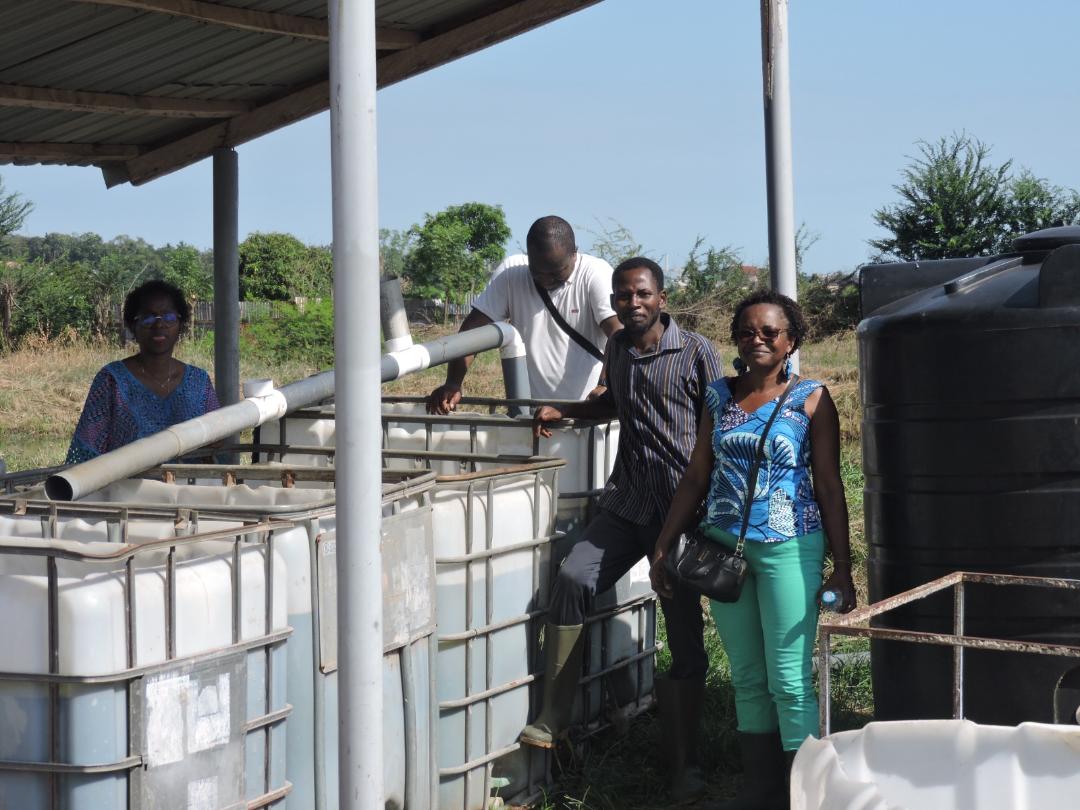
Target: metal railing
846 625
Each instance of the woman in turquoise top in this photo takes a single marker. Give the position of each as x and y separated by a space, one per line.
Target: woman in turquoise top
797 508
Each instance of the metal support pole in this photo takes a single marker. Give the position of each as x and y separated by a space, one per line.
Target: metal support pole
781 194
357 348
226 277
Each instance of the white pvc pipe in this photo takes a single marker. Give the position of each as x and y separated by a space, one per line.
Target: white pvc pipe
778 163
357 347
417 357
265 403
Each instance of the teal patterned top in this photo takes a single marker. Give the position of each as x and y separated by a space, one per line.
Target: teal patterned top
783 503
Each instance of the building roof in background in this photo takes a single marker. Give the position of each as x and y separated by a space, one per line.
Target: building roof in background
141 88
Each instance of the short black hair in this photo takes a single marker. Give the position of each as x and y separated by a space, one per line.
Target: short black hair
150 289
636 262
552 232
797 328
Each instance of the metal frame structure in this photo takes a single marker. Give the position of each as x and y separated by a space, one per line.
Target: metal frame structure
845 625
132 677
344 77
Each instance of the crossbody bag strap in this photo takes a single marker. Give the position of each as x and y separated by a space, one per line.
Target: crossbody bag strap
574 334
756 465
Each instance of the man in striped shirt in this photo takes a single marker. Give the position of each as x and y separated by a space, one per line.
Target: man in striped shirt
656 377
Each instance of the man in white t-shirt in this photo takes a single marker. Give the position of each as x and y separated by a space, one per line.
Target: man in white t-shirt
579 286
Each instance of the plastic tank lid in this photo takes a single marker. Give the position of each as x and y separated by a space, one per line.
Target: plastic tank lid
1047 239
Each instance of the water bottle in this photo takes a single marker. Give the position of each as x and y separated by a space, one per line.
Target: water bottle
830 600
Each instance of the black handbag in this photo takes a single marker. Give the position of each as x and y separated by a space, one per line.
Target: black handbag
705 566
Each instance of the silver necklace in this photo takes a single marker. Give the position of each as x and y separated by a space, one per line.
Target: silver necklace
162 385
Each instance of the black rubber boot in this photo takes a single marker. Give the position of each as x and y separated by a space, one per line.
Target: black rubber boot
679 708
564 646
765 765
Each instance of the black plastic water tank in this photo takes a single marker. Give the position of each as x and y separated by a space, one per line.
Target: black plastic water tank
971 449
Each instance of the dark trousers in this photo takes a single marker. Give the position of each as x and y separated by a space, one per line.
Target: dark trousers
608 549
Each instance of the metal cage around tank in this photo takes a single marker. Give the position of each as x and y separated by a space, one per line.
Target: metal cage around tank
150 696
129 509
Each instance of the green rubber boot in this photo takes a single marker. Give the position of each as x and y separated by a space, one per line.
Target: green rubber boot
564 646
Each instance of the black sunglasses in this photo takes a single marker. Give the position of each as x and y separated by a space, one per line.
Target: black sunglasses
766 333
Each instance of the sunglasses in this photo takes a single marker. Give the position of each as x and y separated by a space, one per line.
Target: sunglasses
146 321
766 333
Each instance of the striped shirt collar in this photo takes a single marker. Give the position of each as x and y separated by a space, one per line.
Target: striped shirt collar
671 340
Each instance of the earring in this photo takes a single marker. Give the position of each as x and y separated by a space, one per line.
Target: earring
787 368
739 365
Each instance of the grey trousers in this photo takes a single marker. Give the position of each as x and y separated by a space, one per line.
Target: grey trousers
608 549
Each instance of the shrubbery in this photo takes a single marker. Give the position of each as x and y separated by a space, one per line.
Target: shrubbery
294 334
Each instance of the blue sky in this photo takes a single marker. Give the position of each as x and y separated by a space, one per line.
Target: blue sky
649 114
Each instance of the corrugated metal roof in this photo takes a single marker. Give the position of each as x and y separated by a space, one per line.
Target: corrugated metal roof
90 46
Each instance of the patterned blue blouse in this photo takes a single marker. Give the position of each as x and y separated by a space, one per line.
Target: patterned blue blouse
783 505
119 409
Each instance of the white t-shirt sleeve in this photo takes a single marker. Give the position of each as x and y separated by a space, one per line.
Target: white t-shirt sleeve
600 291
494 301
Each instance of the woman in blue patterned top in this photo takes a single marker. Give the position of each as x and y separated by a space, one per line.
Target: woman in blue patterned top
797 508
149 391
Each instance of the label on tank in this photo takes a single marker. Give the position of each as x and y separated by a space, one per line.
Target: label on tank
190 733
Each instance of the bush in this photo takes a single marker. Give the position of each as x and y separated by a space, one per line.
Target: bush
54 301
306 335
830 303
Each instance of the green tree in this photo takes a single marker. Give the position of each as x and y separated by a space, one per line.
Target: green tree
455 250
394 247
614 243
13 212
1035 204
279 267
55 300
956 202
190 270
15 279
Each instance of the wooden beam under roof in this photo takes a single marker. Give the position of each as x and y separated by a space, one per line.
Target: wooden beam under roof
263 22
474 36
52 98
437 50
87 152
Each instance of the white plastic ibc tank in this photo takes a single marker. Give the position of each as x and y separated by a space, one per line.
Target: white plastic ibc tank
310 597
491 532
939 765
589 447
68 655
214 507
309 427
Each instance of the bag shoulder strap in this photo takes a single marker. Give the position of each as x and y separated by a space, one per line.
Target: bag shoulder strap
574 335
756 465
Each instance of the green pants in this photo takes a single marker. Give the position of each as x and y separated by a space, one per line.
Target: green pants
769 635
